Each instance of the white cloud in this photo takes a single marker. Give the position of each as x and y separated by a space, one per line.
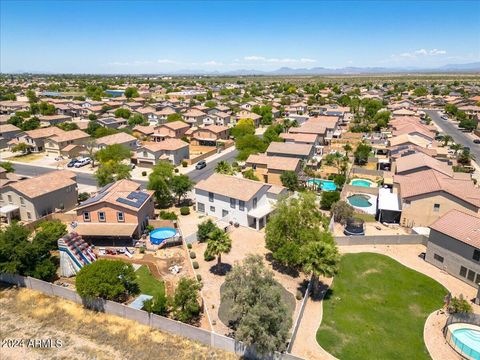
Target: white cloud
212 63
421 53
263 59
166 61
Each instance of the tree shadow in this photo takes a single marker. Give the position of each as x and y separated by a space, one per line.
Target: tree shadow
302 287
323 293
283 269
221 269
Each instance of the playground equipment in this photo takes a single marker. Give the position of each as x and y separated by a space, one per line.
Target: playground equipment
75 253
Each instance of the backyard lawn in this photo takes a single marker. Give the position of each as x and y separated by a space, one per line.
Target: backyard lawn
377 309
149 285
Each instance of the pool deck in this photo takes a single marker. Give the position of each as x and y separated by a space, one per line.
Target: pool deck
435 342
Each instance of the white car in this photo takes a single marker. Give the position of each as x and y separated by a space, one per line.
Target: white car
82 162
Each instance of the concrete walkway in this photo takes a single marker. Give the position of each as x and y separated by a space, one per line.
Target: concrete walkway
434 340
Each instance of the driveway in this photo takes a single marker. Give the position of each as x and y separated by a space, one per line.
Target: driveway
450 128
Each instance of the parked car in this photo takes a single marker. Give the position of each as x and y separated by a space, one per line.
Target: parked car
82 162
476 141
201 164
72 163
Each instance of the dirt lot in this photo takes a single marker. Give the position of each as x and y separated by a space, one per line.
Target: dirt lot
27 314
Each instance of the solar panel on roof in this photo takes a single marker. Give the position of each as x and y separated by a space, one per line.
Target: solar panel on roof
135 199
96 198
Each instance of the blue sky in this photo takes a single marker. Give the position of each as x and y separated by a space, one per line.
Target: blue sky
150 36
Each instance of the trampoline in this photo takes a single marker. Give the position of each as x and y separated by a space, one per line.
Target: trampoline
159 235
354 226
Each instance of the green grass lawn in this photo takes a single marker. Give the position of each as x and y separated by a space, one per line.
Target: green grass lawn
149 285
377 309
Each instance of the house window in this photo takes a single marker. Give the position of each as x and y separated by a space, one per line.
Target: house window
254 203
233 202
29 215
241 205
471 275
120 216
476 255
145 154
224 213
438 258
101 216
210 196
254 166
212 208
9 198
86 216
436 207
200 207
22 201
463 271
477 279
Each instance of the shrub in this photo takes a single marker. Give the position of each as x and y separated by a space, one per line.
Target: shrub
168 215
142 250
149 228
195 265
459 305
328 198
204 229
199 277
189 246
193 255
342 211
184 163
83 196
176 170
207 256
299 295
144 173
185 210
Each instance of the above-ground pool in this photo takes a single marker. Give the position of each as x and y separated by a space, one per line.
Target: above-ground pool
359 200
465 339
362 183
326 185
159 235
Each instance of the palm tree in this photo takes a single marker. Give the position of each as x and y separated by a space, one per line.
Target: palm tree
447 139
321 258
218 243
223 167
347 147
456 148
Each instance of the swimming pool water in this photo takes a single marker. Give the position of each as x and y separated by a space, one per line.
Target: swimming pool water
326 185
359 200
157 236
468 341
361 182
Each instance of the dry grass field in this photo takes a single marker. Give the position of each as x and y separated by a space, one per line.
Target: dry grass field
27 314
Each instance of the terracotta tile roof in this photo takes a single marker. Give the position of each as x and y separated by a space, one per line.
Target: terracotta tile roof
119 138
70 135
194 113
407 138
8 128
169 144
44 132
299 137
45 183
460 226
175 125
231 186
289 148
310 128
215 128
274 162
419 160
147 130
429 181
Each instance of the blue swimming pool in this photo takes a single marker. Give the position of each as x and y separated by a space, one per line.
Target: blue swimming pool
359 200
362 183
467 341
159 235
325 185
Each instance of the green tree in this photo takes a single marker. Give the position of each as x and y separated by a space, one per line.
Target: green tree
21 147
107 279
137 119
131 92
218 243
115 152
261 318
48 232
174 117
210 104
348 148
186 307
446 139
242 128
224 167
249 144
289 179
320 258
32 97
465 157
328 199
250 175
204 229
341 210
158 181
180 185
420 91
456 148
111 171
123 113
8 166
157 305
362 153
67 126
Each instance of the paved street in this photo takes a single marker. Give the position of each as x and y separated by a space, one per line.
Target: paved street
32 170
450 128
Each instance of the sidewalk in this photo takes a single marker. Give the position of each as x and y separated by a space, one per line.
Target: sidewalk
189 168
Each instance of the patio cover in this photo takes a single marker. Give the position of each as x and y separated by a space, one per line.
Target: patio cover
96 229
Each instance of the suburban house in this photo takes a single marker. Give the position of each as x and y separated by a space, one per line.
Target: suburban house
7 133
292 150
194 117
454 246
174 130
244 114
298 138
112 122
118 211
427 195
209 135
68 143
31 199
50 120
172 150
143 131
269 169
218 118
121 138
35 139
419 161
317 128
11 107
239 201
